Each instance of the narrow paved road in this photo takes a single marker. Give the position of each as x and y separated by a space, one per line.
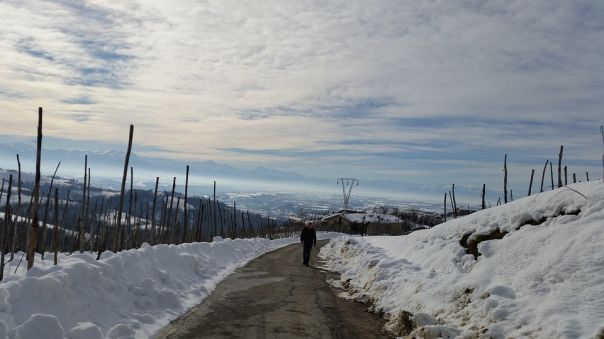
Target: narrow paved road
274 296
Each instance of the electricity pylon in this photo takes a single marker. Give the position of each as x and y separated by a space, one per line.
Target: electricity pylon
347 182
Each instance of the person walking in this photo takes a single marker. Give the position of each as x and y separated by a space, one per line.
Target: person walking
308 238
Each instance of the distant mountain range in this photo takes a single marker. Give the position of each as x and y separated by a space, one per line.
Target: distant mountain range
107 167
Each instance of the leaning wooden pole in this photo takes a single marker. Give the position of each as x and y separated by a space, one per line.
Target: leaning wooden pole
33 232
543 175
531 183
560 166
44 220
116 243
452 208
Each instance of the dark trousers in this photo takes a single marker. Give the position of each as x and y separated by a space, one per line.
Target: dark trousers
306 254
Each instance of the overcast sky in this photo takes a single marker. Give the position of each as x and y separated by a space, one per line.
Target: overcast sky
424 91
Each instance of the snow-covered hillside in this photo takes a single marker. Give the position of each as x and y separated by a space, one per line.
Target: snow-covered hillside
130 294
530 268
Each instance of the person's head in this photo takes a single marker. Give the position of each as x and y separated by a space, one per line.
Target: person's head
311 225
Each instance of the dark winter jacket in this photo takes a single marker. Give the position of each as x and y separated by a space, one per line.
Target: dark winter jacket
308 236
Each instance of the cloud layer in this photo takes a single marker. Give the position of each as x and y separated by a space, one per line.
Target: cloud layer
421 91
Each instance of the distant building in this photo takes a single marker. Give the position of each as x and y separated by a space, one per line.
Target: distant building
360 222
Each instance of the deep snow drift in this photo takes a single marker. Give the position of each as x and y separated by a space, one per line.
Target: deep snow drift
125 295
533 267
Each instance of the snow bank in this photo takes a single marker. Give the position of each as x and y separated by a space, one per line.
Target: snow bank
131 294
530 268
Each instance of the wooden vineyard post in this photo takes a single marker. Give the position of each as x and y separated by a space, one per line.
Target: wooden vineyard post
153 239
454 201
169 217
129 238
452 208
531 183
199 221
83 207
234 220
5 227
560 166
505 179
33 233
116 244
249 221
214 211
551 173
543 175
186 219
445 207
55 230
14 231
46 209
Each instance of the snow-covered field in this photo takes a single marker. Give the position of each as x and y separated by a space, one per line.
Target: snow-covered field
543 277
130 294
